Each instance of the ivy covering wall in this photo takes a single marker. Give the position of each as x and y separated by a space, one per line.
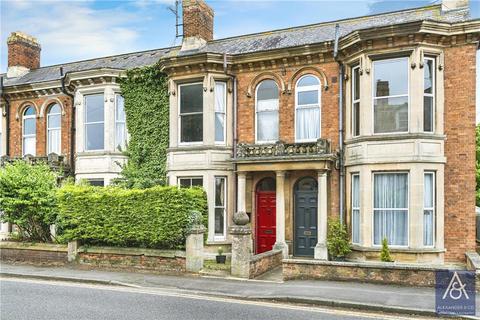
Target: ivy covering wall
145 91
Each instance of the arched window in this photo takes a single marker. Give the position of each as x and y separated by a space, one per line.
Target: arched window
267 111
54 129
29 133
307 109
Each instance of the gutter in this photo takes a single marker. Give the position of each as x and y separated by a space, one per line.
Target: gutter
340 126
235 137
72 123
7 118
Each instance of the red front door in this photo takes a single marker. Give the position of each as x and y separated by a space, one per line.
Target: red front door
266 223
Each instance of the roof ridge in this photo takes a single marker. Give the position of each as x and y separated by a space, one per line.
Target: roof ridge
104 57
311 25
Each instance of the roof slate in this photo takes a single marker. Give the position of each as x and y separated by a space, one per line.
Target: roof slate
278 39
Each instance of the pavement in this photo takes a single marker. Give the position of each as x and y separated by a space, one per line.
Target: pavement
364 296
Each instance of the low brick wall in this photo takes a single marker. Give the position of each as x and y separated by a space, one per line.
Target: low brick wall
384 273
33 253
163 261
264 262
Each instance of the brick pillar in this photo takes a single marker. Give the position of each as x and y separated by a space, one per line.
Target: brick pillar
194 248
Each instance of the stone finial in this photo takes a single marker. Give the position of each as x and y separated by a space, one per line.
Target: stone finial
240 218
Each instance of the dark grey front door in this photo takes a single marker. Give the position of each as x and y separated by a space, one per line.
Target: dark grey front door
306 206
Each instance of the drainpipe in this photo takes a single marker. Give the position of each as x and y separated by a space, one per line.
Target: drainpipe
7 118
235 138
340 126
72 128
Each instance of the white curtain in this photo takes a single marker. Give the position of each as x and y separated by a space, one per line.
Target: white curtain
54 137
308 123
220 99
267 120
120 135
355 209
428 220
29 145
391 208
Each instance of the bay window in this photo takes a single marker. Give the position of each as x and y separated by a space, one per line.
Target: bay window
94 122
191 113
307 109
120 123
428 94
220 111
390 208
220 207
29 132
428 208
390 95
355 208
266 112
356 101
54 129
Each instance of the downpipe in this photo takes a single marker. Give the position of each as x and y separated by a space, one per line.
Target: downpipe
7 118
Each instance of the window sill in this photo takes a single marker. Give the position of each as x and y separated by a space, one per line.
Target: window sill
395 136
397 249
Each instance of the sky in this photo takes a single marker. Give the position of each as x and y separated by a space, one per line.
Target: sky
73 30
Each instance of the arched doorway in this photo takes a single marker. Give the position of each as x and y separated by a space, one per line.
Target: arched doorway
305 214
265 201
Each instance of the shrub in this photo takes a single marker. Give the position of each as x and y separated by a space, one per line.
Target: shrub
157 217
337 239
27 199
385 254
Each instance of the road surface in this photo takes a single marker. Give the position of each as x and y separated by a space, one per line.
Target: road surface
39 299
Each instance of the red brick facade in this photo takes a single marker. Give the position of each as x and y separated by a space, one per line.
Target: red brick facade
41 105
460 66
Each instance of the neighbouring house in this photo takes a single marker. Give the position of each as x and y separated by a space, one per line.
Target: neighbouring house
370 120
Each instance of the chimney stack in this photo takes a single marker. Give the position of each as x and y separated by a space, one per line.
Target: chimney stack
23 54
197 24
448 5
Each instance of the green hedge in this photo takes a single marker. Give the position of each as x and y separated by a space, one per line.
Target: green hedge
157 217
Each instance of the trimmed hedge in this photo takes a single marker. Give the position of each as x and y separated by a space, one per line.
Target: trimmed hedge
157 217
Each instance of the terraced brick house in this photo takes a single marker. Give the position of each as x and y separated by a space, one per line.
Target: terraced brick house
370 120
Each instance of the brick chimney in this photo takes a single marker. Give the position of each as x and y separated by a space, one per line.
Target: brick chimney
23 54
197 24
448 5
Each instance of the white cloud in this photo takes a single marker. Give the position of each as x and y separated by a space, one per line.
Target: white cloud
71 30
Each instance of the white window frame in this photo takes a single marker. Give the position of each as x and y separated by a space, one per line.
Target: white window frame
49 114
317 88
95 122
189 178
391 209
26 136
433 209
356 208
354 101
394 96
224 207
190 113
117 122
224 84
256 114
432 95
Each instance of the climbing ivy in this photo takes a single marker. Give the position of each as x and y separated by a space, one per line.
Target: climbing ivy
145 91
